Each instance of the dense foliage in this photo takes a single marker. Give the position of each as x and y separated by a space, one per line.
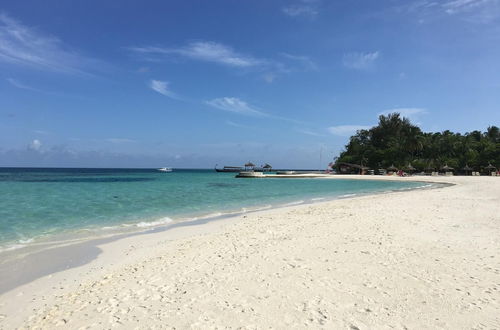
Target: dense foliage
397 141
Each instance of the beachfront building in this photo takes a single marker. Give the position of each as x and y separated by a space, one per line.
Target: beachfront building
348 168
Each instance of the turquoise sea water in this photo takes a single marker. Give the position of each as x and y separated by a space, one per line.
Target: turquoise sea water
38 203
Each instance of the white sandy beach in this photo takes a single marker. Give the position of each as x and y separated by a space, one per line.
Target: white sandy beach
421 259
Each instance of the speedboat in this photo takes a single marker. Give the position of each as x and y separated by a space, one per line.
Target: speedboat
165 169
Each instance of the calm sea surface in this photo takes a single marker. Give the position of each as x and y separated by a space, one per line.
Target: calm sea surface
38 203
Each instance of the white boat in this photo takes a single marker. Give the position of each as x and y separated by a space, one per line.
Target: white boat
165 169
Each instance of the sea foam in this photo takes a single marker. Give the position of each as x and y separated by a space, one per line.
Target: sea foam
159 222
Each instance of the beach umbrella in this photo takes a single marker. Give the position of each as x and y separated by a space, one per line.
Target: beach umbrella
490 167
466 169
447 168
430 166
410 167
392 168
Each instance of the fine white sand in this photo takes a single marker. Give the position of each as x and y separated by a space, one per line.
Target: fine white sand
422 259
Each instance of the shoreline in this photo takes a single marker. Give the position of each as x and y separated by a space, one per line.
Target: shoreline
57 255
127 251
44 242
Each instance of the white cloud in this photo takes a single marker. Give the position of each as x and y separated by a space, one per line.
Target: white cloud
207 51
161 87
300 10
458 6
346 130
303 8
35 145
235 105
477 11
360 61
411 113
22 45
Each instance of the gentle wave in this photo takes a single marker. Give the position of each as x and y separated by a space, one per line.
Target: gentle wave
11 247
294 203
347 195
162 221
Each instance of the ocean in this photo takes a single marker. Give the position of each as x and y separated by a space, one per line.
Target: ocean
40 204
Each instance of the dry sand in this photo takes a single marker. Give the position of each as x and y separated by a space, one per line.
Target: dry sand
422 259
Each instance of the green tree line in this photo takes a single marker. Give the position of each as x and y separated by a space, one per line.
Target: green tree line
396 141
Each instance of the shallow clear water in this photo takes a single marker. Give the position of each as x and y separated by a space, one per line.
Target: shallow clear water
41 202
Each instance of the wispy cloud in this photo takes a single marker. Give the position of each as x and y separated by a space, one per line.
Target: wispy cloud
303 8
459 6
411 113
269 77
20 85
304 61
238 106
119 140
232 123
346 130
478 11
235 105
162 87
207 51
309 132
25 46
360 61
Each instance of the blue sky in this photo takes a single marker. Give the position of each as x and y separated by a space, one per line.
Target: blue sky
199 83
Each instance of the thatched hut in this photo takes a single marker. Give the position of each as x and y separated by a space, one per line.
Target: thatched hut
409 168
348 168
467 169
249 166
490 168
392 168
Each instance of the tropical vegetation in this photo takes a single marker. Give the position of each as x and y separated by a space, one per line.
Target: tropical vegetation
396 141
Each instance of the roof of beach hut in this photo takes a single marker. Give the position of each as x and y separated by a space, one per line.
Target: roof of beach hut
447 168
267 166
467 168
361 167
249 164
410 167
392 168
490 167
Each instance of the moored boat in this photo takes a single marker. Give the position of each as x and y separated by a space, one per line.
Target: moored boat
250 174
165 169
229 169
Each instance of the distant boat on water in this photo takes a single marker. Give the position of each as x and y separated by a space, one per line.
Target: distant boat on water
229 169
164 169
247 167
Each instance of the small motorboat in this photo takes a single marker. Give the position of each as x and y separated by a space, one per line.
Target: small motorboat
165 169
